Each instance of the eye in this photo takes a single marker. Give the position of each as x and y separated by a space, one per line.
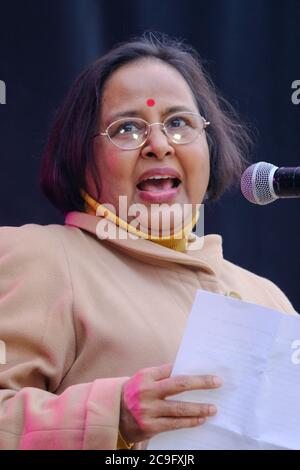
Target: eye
128 127
178 121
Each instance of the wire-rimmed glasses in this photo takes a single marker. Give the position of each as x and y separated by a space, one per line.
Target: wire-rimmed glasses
130 133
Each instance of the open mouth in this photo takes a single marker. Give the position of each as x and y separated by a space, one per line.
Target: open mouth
158 183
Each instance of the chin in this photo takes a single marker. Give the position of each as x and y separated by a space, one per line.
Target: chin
167 219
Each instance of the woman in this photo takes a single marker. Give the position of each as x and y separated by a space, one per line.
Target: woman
92 312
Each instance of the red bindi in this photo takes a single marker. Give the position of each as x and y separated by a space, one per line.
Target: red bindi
150 102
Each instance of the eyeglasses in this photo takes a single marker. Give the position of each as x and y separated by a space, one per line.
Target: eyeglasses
132 133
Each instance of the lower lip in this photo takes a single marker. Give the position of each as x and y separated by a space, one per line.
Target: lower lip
159 196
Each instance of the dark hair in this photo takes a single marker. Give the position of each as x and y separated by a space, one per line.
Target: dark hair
69 150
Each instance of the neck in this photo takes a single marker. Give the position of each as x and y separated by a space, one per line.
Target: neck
177 241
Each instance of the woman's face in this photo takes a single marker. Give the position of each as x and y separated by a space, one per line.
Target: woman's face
128 90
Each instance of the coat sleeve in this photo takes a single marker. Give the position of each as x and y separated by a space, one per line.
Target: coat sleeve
38 347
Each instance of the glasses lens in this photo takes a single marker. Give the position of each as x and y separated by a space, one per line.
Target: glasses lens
183 128
128 133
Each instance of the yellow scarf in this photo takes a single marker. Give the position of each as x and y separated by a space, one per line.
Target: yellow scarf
176 242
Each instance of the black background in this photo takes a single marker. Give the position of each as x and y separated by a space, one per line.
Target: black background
251 49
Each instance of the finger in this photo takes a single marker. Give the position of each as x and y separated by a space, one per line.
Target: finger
170 424
181 409
160 372
182 383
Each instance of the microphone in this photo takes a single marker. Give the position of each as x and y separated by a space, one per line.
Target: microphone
262 183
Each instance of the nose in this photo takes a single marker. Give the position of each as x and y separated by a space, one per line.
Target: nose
157 145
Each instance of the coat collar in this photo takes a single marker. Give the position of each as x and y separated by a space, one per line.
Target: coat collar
203 253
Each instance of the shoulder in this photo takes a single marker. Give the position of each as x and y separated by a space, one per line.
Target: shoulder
32 245
30 238
35 237
255 288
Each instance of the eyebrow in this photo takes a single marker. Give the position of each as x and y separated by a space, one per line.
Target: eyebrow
135 113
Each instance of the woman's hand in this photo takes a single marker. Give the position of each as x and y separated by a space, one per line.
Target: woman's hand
145 412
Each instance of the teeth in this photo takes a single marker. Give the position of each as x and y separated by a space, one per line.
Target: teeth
159 177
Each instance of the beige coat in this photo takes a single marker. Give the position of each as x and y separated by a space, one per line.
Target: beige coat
80 315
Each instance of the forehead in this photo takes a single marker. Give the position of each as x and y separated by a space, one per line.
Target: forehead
133 84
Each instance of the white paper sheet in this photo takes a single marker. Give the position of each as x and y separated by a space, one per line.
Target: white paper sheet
254 350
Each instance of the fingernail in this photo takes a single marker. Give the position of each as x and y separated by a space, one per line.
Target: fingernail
212 410
201 420
217 381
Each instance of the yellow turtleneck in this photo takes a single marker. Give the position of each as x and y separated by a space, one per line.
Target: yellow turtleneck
176 242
